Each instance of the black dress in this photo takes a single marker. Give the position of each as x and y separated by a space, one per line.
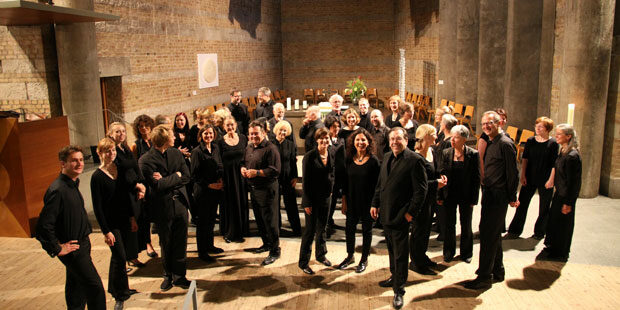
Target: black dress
288 162
146 214
112 216
390 123
359 187
129 174
345 133
234 216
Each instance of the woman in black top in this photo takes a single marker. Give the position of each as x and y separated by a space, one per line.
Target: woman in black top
336 147
201 120
234 216
392 119
566 176
115 218
206 172
318 178
460 166
362 169
131 182
405 111
288 173
539 157
421 225
351 119
181 134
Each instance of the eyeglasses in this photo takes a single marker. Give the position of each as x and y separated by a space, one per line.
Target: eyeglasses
488 123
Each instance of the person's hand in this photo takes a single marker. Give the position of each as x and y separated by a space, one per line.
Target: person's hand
66 248
110 239
514 204
566 209
179 174
408 217
523 180
156 176
293 182
134 225
374 213
251 173
243 172
141 190
216 186
549 184
442 181
344 206
440 202
308 210
306 121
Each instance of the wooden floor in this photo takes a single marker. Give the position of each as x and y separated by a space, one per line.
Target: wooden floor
33 280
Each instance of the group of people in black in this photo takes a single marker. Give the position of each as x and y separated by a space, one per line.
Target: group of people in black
402 177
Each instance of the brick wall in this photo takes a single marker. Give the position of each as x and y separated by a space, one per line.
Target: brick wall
328 42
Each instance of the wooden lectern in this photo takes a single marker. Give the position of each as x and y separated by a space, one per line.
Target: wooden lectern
28 165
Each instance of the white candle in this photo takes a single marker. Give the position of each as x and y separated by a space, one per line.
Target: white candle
571 114
288 103
305 104
296 104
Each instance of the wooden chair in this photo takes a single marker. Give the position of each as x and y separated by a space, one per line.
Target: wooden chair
309 95
283 94
408 96
319 95
444 102
467 117
458 109
252 103
371 95
245 101
451 103
525 134
277 95
211 109
512 132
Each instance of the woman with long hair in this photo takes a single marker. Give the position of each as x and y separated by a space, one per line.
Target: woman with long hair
362 169
391 120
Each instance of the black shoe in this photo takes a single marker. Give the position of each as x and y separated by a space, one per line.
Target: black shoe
538 237
325 261
307 270
346 262
166 284
386 283
262 249
448 259
361 267
136 263
238 240
397 303
152 254
422 270
478 284
227 240
206 258
119 305
467 260
270 259
498 278
182 283
132 292
215 250
431 264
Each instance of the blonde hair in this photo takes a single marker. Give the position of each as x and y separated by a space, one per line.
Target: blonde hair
160 135
124 144
423 131
105 144
281 124
351 111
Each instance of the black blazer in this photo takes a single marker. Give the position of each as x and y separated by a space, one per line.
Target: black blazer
288 160
170 184
206 168
318 179
568 177
402 191
129 174
307 133
264 110
471 163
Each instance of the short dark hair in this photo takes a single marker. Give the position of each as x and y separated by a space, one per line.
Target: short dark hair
405 135
258 123
66 151
320 133
330 120
233 91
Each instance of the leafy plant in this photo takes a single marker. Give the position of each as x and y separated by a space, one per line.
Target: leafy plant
357 87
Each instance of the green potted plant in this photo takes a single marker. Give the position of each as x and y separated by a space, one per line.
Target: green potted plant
357 88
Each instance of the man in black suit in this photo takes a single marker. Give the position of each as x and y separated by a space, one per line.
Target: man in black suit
399 196
63 230
499 189
167 174
309 126
239 111
265 104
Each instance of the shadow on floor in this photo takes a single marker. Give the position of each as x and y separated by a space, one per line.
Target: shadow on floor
538 276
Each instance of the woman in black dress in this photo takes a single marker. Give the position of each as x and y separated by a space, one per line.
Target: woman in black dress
142 127
318 178
392 119
234 216
351 119
539 156
115 219
288 173
362 168
460 166
206 174
131 181
566 177
421 225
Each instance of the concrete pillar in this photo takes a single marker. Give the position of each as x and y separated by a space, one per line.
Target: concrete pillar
584 79
447 50
468 12
78 72
545 75
523 62
491 56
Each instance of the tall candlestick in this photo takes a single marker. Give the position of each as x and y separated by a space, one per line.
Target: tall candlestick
305 104
288 103
571 114
296 104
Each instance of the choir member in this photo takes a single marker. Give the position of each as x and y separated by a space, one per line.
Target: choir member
336 101
181 135
380 134
351 119
311 123
239 110
406 121
439 113
265 104
278 115
392 119
318 178
202 117
364 122
288 175
337 148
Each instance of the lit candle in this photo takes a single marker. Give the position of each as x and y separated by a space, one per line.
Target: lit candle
571 113
305 104
296 104
288 103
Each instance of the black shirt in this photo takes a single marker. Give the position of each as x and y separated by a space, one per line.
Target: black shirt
288 160
318 178
307 133
568 177
264 109
500 166
365 121
206 166
264 157
541 158
359 185
141 147
382 144
63 217
107 206
390 123
240 112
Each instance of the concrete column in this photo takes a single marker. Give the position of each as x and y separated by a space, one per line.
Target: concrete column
447 50
545 75
523 62
491 56
78 72
584 79
467 51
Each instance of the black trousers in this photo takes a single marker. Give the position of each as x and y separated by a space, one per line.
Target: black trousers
173 241
266 210
560 229
448 229
144 227
494 206
398 250
83 286
353 218
290 205
420 233
118 283
205 208
336 193
314 231
525 196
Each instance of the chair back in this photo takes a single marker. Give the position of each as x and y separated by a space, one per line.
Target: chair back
525 134
458 109
444 102
512 132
